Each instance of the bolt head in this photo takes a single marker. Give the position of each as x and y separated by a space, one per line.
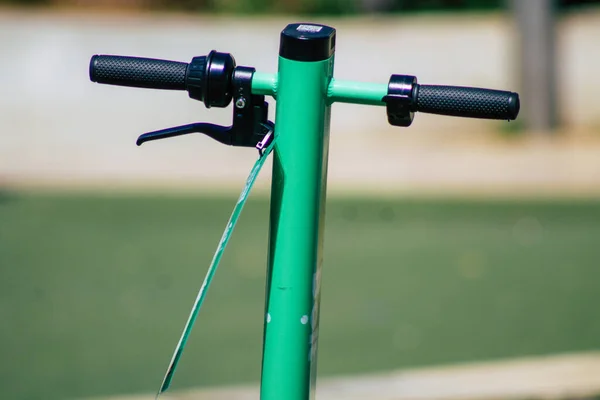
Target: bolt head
240 102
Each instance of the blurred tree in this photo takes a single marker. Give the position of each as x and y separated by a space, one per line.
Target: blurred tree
298 7
378 6
187 5
575 3
441 5
26 2
116 4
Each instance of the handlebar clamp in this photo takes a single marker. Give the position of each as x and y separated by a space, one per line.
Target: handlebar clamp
399 100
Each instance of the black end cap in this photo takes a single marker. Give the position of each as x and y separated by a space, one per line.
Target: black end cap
307 42
93 68
514 105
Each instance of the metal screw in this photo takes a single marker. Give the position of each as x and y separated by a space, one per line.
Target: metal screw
240 102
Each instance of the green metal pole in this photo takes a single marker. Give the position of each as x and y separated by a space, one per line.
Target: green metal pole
357 92
297 212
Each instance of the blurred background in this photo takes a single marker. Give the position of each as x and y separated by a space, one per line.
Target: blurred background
462 257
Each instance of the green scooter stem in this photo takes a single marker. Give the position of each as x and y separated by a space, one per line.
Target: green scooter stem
296 231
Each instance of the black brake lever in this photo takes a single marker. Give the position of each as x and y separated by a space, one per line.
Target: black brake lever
250 118
220 133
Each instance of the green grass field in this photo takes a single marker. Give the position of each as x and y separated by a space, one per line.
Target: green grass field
94 290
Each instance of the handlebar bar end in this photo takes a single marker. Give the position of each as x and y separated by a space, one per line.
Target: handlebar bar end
514 105
93 68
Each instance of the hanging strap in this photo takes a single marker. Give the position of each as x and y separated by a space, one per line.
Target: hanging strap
213 268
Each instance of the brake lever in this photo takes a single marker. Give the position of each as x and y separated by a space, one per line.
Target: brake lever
219 133
250 127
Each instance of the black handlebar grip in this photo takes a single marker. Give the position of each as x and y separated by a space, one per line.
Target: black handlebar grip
138 72
466 102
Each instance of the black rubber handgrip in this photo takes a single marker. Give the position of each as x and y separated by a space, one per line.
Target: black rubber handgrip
466 102
138 72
